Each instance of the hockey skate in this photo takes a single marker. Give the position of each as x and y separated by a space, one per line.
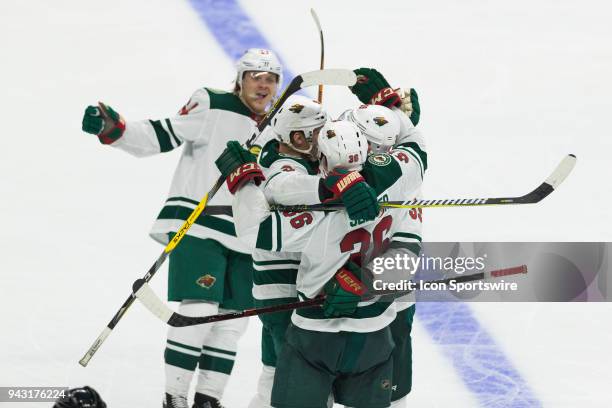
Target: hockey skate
175 401
206 401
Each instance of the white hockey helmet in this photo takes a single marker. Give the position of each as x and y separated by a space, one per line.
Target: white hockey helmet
378 123
298 113
258 59
341 144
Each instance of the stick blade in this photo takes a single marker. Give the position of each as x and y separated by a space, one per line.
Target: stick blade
562 171
151 301
341 77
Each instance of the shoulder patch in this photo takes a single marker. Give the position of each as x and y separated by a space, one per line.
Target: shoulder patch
381 171
379 159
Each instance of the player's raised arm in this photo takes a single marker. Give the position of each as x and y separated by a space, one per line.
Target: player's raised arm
148 137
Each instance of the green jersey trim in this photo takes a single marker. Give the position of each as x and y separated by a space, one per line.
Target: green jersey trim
177 212
270 179
422 155
264 235
407 235
163 137
271 276
383 175
279 233
176 139
405 147
227 101
276 262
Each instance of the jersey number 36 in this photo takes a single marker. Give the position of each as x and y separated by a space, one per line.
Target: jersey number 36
365 239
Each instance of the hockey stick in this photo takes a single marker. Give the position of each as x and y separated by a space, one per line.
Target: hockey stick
322 64
538 194
155 305
543 190
341 77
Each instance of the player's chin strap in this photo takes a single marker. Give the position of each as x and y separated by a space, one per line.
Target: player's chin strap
159 308
302 151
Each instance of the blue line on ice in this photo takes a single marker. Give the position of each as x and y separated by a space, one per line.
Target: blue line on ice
233 29
481 364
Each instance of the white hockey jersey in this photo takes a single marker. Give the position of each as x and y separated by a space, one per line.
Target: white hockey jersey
204 125
328 241
289 180
411 140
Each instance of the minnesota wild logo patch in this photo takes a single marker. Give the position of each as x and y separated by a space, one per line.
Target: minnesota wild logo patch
206 281
296 108
380 120
379 159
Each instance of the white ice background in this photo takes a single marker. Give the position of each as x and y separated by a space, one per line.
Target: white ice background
507 89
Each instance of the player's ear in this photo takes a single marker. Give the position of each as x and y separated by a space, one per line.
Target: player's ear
297 137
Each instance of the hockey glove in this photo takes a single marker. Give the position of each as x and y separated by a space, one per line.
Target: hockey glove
356 195
410 104
238 166
372 88
98 118
343 291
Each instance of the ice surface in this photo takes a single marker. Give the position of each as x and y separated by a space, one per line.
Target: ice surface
507 89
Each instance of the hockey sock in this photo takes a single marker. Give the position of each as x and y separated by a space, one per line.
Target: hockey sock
184 345
263 398
218 355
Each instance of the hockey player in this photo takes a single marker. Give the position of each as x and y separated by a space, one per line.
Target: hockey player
211 270
373 88
382 129
291 177
326 247
293 130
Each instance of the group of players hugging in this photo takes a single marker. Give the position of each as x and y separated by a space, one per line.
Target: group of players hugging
355 348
